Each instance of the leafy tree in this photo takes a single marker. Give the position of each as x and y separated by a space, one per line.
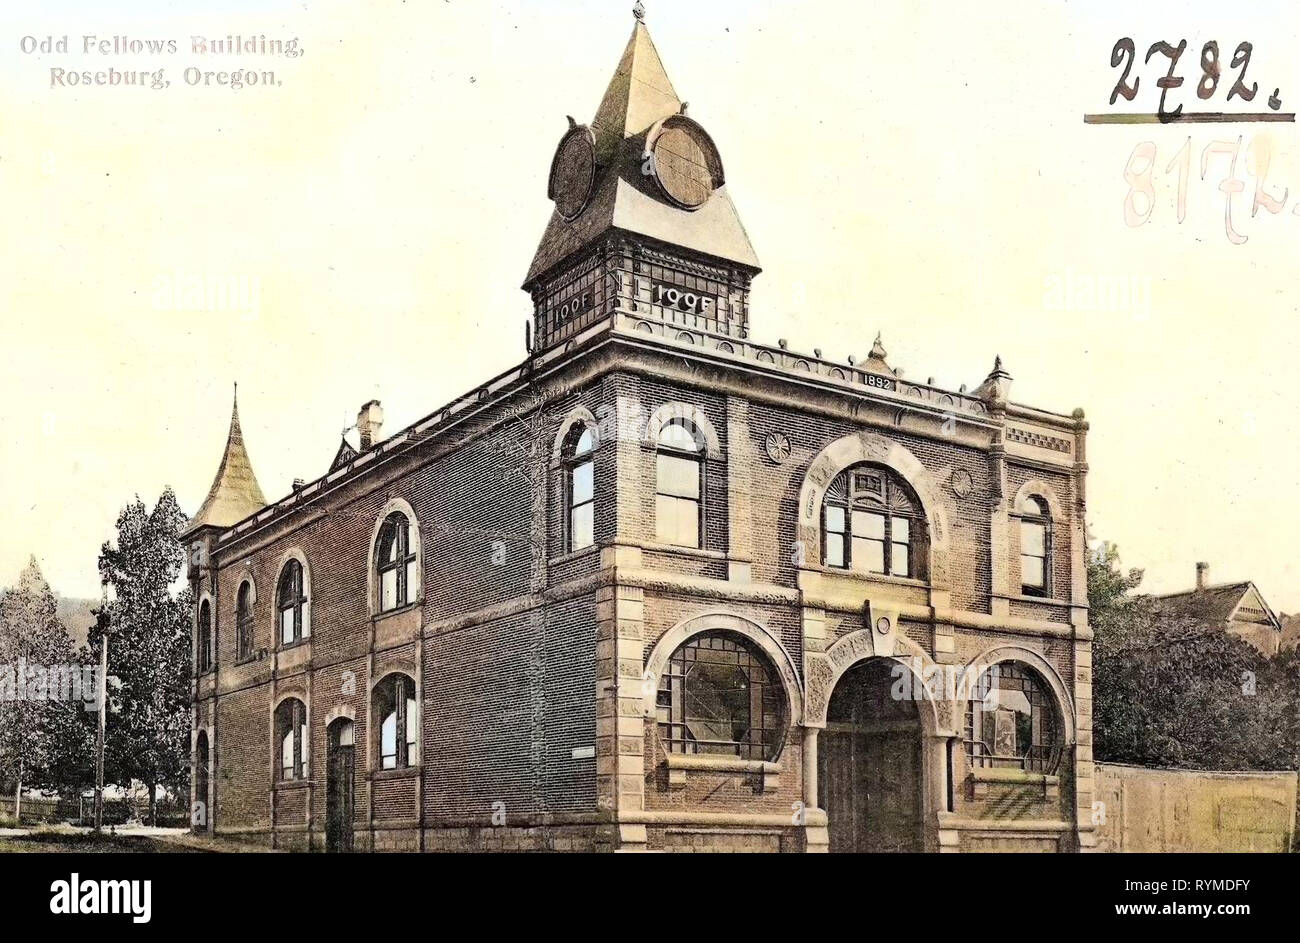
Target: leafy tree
148 729
1169 690
35 661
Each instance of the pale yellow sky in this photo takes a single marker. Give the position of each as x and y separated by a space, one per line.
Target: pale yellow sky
920 169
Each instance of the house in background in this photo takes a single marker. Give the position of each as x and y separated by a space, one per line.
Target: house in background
1237 607
1290 632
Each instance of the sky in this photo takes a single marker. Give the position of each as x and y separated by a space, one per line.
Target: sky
361 227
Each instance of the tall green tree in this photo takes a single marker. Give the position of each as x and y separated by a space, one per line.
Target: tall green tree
1172 691
35 660
147 739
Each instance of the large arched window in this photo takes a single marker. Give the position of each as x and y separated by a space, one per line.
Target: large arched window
205 637
399 722
291 739
1012 720
580 487
679 485
1035 547
720 695
244 620
395 559
872 523
290 601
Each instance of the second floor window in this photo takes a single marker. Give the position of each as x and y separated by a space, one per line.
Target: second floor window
244 620
396 560
580 476
205 637
399 722
869 523
1035 548
290 600
679 485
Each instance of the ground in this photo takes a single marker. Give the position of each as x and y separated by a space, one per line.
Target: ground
69 839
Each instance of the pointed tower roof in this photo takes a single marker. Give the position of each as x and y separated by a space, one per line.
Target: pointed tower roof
639 96
235 493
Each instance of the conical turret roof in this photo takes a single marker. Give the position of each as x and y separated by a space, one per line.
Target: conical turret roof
235 493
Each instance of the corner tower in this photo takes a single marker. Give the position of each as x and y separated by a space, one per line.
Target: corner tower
643 222
234 495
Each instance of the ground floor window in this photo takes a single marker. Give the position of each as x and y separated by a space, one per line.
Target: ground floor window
1012 721
291 735
719 694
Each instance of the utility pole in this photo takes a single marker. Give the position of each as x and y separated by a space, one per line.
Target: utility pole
99 733
107 630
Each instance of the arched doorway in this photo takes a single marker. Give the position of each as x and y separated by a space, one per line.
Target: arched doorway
200 815
869 764
340 792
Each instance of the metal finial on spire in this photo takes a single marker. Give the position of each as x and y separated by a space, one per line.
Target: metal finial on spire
639 10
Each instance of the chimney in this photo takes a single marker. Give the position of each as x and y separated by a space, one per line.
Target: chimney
370 421
1202 576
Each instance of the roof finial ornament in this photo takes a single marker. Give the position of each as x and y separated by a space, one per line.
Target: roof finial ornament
878 348
639 10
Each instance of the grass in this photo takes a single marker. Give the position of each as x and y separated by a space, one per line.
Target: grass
58 841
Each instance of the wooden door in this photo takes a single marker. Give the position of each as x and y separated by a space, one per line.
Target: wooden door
841 786
340 799
893 792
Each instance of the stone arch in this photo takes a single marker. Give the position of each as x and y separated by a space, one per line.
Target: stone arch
825 671
399 665
1041 666
576 415
290 692
723 621
340 712
1037 488
293 553
874 448
693 414
395 504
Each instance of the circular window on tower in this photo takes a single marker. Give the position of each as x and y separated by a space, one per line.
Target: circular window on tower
573 172
685 161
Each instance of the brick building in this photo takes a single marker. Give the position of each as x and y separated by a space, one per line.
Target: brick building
660 586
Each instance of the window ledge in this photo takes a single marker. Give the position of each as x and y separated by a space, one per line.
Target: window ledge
870 577
406 772
982 777
293 646
680 764
683 551
289 785
391 613
1040 600
572 555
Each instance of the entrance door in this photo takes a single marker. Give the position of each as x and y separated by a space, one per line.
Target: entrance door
200 815
340 792
869 765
